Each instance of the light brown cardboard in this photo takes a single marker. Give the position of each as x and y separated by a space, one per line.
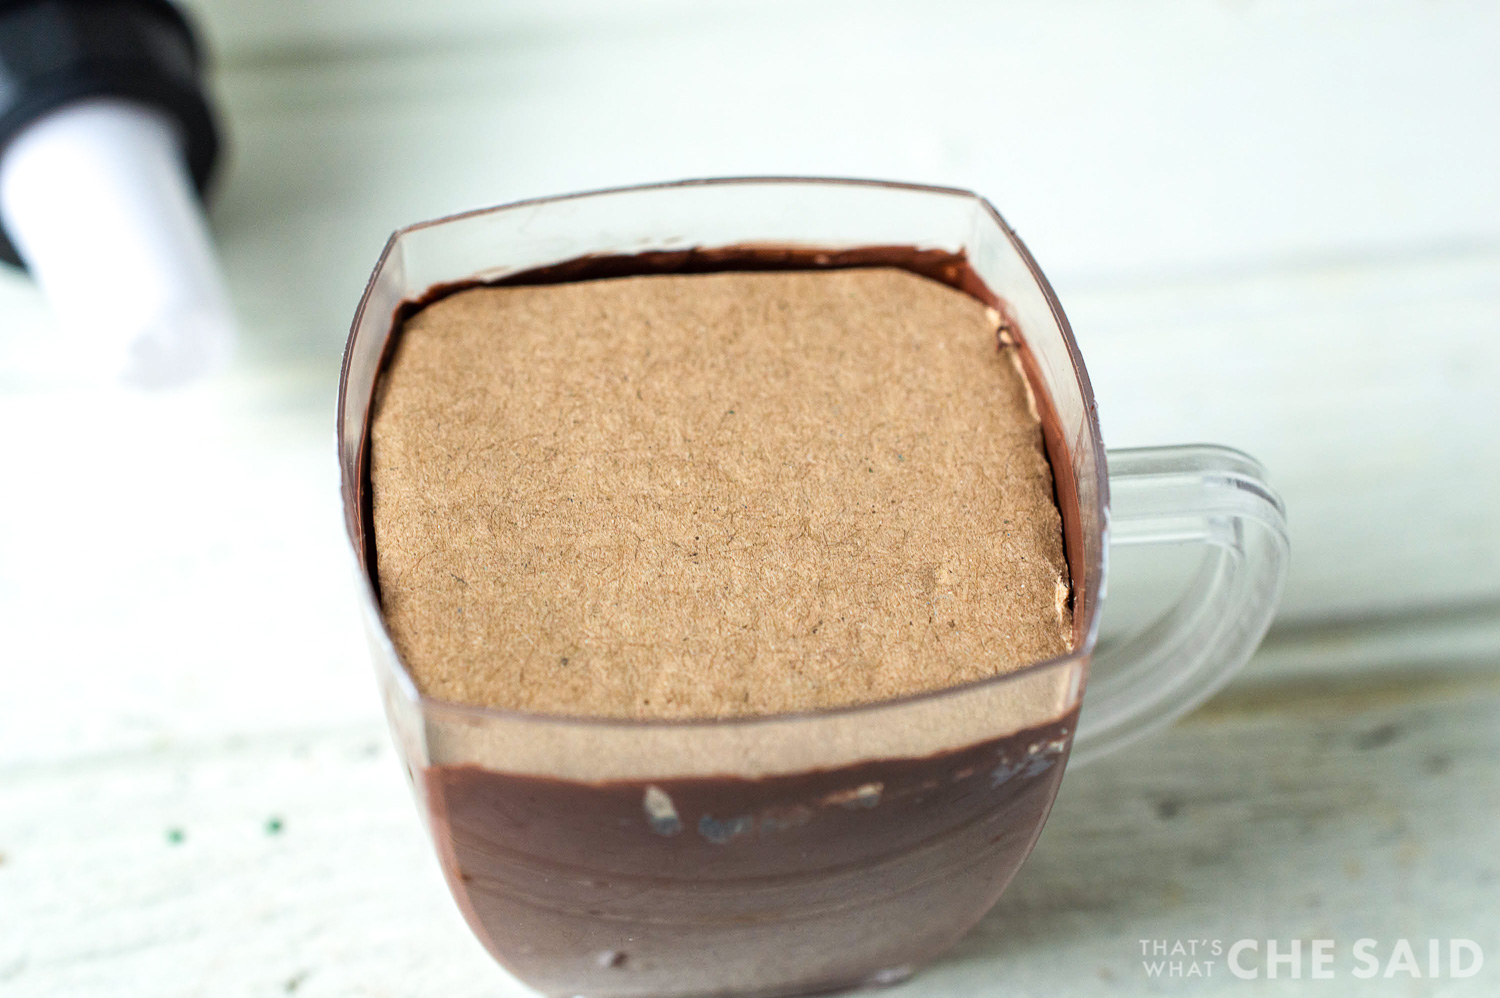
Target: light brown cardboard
712 495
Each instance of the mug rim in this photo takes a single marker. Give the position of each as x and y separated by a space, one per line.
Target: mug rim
370 601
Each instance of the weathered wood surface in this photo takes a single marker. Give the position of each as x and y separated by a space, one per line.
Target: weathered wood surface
294 863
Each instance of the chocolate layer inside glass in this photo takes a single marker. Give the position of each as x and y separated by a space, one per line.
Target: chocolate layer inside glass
664 885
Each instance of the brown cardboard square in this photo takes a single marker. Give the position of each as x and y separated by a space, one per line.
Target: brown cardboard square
712 495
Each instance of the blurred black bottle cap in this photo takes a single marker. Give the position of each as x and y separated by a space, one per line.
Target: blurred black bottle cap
55 52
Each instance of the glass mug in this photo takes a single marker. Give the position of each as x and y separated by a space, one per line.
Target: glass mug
800 852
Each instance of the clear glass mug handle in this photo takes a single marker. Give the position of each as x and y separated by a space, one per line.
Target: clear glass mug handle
1210 496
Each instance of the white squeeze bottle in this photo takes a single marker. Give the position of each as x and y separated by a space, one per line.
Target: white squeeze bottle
107 141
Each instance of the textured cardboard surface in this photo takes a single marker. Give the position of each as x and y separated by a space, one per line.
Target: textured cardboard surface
712 495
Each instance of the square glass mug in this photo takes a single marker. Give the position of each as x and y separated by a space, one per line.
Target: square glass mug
801 852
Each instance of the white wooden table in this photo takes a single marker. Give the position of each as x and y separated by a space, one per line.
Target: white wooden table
1275 225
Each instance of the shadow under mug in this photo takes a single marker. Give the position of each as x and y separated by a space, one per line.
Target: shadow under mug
800 852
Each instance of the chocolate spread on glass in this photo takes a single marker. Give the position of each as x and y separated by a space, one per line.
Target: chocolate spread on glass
623 883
